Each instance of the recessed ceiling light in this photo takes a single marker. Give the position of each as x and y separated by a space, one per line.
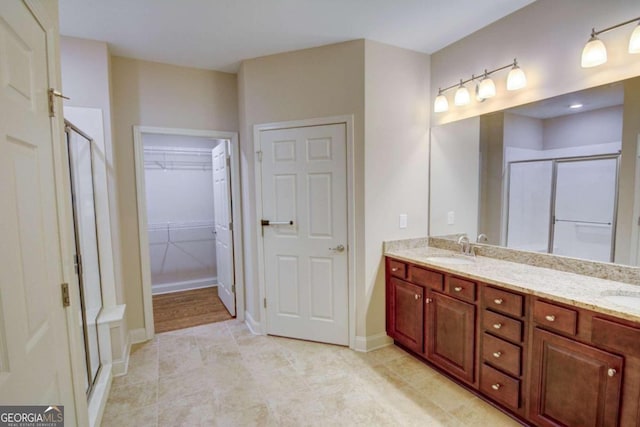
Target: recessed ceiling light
575 106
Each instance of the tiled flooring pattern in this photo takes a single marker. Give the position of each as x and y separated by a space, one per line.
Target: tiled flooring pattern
222 375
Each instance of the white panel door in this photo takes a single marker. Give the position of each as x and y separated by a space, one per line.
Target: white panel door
34 347
306 279
224 229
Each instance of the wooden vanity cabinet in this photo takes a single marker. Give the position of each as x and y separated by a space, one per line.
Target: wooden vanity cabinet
408 313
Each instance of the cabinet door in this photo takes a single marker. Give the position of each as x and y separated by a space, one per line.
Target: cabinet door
450 334
573 384
407 314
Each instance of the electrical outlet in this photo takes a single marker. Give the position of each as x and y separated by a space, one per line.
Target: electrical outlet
451 218
403 220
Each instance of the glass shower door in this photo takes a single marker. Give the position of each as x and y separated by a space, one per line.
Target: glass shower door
86 236
584 208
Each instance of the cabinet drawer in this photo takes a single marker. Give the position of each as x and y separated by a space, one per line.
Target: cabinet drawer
503 326
555 317
501 354
398 269
503 301
500 387
615 336
462 289
428 278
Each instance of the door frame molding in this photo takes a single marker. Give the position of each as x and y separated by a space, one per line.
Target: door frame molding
348 121
236 196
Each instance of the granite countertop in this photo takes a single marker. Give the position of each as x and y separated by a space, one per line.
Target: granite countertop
569 288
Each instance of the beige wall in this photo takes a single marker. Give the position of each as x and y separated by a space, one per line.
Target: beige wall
547 37
319 82
396 161
153 94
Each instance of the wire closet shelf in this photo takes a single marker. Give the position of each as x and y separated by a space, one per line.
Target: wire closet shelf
169 158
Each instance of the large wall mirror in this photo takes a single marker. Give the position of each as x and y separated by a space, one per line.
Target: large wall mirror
558 176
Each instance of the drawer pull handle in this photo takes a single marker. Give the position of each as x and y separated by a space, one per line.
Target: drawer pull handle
417 296
457 288
550 317
497 325
497 354
612 372
498 301
496 386
394 269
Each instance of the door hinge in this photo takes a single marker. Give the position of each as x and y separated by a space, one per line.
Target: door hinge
52 93
228 161
230 226
233 289
264 302
66 301
259 154
77 261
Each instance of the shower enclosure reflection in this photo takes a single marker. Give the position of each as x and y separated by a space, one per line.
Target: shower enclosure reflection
80 150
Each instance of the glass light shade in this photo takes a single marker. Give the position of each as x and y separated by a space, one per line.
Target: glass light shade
462 96
634 41
594 53
441 104
487 88
516 79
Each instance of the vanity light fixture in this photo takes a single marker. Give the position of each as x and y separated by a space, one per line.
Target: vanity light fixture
575 106
485 89
595 52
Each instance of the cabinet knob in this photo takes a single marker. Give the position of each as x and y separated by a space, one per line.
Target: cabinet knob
496 386
417 296
497 354
457 288
498 301
497 325
428 300
612 372
550 317
394 269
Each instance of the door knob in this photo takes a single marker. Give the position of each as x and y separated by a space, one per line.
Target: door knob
339 248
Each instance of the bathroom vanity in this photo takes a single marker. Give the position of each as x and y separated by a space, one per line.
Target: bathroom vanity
548 347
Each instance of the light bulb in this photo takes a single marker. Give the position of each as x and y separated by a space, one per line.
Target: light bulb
594 53
462 96
441 104
634 41
487 88
516 78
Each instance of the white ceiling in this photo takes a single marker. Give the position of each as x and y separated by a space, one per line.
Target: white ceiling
218 34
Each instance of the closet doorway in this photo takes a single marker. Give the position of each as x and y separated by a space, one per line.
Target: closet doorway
189 226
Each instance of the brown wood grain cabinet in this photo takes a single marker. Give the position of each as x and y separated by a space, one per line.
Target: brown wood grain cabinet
542 362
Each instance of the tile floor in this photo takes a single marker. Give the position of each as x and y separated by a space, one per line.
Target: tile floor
222 375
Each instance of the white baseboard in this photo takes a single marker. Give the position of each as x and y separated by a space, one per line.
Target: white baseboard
138 335
99 395
251 323
187 285
372 342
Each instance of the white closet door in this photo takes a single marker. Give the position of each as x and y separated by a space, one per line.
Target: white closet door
224 227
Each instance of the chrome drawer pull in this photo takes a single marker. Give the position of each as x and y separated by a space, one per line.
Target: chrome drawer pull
550 317
612 372
497 325
457 288
498 301
496 386
394 269
497 354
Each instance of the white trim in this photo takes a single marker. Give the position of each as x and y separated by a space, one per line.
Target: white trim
137 336
634 256
186 285
236 196
251 323
347 120
99 395
373 342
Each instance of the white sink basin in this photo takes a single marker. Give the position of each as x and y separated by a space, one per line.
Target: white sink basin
625 300
454 260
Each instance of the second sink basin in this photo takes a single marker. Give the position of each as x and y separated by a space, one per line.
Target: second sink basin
451 259
631 300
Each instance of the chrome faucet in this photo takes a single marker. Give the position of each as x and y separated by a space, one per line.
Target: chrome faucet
482 238
465 245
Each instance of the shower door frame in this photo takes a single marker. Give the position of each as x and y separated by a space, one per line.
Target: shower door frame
552 201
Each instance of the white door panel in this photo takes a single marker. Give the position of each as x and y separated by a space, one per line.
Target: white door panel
306 280
34 358
224 233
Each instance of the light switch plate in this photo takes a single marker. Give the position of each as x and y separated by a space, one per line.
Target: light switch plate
403 220
451 218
